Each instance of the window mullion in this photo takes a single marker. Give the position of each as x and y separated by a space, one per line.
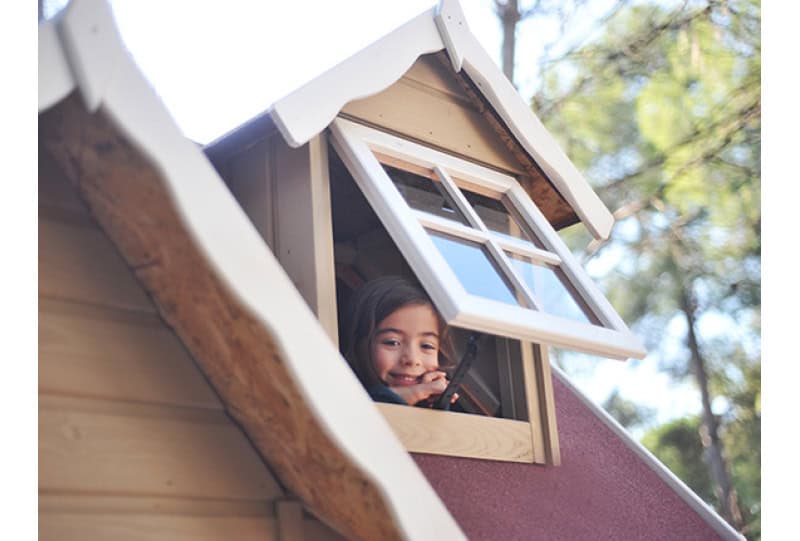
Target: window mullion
538 255
506 268
443 225
459 199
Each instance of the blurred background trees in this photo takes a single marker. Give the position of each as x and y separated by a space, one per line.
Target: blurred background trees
660 107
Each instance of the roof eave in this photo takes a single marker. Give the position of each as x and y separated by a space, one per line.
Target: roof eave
310 109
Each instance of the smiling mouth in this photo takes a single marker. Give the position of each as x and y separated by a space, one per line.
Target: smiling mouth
404 379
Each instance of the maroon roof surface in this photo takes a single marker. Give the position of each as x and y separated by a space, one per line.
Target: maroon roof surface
602 490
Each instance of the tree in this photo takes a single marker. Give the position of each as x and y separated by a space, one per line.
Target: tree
662 113
626 412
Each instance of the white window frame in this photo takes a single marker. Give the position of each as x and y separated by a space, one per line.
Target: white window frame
357 144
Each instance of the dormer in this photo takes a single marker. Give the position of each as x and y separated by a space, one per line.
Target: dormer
417 157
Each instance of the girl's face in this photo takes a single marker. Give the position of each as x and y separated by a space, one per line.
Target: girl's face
406 345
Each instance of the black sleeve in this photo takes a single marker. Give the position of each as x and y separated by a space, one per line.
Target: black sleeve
381 393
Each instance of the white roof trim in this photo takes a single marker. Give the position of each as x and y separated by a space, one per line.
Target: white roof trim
310 109
107 77
55 76
706 512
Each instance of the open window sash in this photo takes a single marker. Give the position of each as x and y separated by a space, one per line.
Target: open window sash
481 248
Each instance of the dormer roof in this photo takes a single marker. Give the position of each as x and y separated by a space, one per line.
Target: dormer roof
308 110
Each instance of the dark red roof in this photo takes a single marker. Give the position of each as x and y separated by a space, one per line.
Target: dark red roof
602 490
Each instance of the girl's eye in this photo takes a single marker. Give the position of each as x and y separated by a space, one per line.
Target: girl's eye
390 342
429 347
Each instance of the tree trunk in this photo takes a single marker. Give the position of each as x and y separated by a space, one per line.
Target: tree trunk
509 16
709 431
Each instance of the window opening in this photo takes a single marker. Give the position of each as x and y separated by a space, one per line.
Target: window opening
481 248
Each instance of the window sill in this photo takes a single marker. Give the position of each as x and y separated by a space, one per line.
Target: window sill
460 434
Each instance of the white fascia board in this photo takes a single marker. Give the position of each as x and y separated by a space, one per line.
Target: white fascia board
308 110
706 512
466 53
55 76
109 79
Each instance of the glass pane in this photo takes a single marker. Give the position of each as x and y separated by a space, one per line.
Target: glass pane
547 288
473 266
424 194
497 215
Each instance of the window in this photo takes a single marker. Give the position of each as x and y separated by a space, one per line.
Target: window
491 262
481 248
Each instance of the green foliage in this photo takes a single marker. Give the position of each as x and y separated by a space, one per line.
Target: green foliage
662 113
678 445
626 412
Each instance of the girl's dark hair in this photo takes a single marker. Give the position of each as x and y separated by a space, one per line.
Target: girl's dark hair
370 305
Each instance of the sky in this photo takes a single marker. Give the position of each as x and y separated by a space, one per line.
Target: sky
217 64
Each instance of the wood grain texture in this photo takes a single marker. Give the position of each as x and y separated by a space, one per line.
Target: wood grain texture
63 526
97 352
80 264
96 446
289 515
460 434
235 351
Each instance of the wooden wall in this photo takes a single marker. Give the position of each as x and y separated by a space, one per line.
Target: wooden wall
133 442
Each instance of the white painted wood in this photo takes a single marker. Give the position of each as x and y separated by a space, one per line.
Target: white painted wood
357 144
452 25
399 220
55 77
251 274
570 265
308 110
89 37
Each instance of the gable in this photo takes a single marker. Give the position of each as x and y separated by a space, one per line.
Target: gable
307 111
440 108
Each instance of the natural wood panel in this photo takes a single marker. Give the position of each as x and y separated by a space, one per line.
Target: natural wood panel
87 351
159 453
248 175
547 404
81 264
103 504
303 226
315 530
60 526
54 188
289 516
436 76
434 119
460 434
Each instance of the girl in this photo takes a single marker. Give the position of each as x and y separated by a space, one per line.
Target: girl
396 343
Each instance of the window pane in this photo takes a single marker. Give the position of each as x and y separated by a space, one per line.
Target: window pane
424 194
547 288
474 268
496 214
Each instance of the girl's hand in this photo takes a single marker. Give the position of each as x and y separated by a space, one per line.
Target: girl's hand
431 384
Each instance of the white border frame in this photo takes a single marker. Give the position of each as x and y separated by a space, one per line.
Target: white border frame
356 145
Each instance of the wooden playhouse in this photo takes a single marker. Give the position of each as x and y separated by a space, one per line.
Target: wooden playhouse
190 384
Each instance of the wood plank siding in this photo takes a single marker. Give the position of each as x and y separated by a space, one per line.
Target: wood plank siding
133 441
